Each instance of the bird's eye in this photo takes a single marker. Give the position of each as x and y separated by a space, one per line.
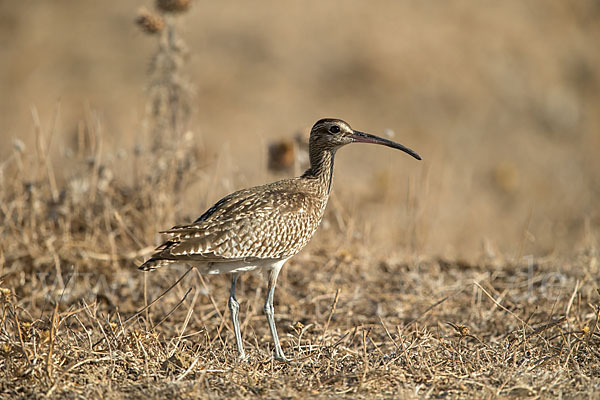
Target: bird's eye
334 129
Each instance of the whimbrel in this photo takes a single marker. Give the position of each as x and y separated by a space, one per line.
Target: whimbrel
262 227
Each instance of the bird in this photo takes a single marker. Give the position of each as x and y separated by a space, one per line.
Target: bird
264 226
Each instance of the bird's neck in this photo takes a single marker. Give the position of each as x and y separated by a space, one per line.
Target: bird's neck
321 168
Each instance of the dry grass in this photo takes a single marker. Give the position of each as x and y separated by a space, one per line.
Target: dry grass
79 320
353 323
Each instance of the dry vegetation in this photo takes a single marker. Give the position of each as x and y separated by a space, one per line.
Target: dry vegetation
353 324
79 320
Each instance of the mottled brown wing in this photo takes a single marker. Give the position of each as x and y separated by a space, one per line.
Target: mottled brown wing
272 222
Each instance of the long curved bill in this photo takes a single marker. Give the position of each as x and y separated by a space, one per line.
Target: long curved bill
362 137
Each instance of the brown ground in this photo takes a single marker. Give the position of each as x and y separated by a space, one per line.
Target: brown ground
471 274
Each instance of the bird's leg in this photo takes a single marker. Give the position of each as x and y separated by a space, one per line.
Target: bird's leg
234 308
270 311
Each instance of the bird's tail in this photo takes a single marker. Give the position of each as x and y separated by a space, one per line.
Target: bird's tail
154 263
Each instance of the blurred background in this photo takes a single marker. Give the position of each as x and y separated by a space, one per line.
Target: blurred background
501 99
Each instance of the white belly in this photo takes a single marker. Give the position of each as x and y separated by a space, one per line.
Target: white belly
238 266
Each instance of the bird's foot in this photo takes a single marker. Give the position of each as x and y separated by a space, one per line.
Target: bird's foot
242 357
279 356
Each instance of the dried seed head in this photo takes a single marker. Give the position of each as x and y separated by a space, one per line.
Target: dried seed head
150 23
173 6
282 155
5 294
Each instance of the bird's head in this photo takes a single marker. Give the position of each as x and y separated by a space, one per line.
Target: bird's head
331 134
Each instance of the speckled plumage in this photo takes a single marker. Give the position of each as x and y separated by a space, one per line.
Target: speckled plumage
273 221
263 226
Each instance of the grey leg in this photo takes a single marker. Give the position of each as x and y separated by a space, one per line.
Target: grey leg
270 311
234 309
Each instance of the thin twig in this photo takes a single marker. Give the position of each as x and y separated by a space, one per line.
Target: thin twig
53 326
500 305
21 337
172 310
148 306
333 307
186 322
